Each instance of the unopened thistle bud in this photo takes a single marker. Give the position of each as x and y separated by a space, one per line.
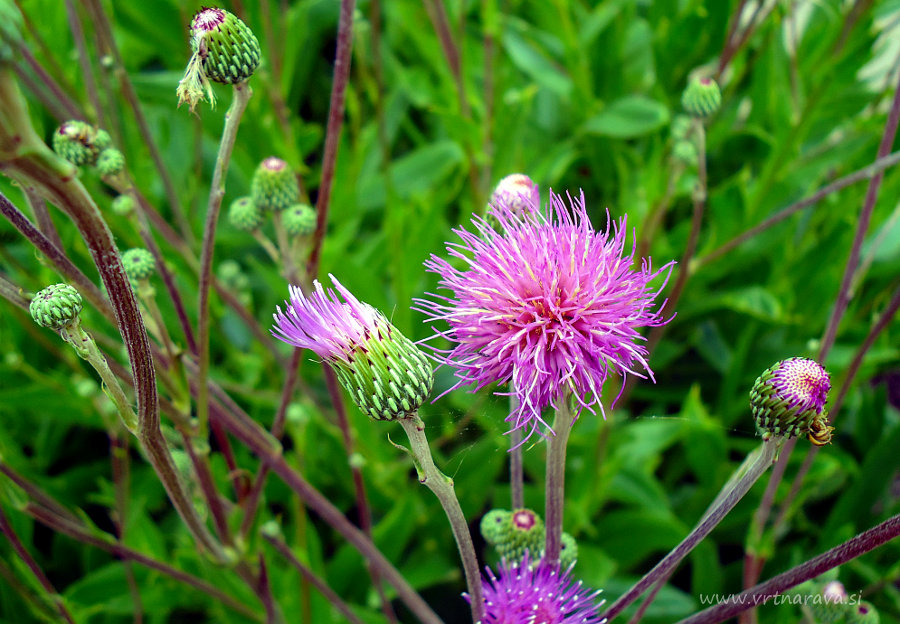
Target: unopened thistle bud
274 185
788 399
526 533
110 163
495 525
224 50
139 264
243 214
863 613
79 142
387 376
299 220
123 205
568 550
56 306
702 97
518 192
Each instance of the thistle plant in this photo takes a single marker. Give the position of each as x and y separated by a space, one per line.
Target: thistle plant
163 439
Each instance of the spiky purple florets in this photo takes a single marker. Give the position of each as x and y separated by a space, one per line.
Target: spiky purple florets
802 383
547 303
529 593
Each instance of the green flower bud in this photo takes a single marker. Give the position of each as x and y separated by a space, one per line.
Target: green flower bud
299 220
102 141
863 613
526 533
243 214
495 525
110 163
56 306
702 97
123 205
76 142
827 603
224 50
568 552
139 264
274 186
788 399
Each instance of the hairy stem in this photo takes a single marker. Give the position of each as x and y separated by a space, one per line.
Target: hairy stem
556 479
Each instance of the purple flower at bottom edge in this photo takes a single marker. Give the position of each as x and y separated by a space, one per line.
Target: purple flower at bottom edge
545 302
537 593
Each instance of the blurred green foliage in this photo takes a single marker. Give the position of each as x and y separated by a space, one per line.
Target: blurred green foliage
580 96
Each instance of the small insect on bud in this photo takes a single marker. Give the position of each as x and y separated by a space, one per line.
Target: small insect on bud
139 264
274 185
56 306
244 214
299 220
702 97
789 398
225 50
110 163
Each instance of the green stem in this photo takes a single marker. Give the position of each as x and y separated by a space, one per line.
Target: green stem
556 477
516 470
738 488
242 93
442 487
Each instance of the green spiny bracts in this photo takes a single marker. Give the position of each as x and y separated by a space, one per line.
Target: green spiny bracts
139 264
56 306
788 399
110 163
123 205
274 185
495 525
244 214
526 533
863 613
827 602
299 220
388 377
77 142
224 49
568 552
702 97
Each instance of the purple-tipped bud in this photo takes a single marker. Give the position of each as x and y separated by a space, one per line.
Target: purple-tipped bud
517 192
788 399
274 185
702 97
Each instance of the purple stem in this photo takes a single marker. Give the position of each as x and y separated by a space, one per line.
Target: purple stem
333 131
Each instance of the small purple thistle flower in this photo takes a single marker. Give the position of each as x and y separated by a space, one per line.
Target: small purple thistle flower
529 593
802 383
547 303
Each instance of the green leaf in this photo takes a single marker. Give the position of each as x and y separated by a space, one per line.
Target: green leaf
629 117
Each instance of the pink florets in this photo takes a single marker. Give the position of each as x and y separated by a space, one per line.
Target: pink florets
526 592
547 303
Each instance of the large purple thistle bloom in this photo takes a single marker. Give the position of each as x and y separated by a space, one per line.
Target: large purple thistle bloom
545 302
526 592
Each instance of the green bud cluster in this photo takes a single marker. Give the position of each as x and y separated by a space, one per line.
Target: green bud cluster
110 163
274 185
513 533
85 145
56 306
702 97
139 264
388 377
825 601
299 220
243 214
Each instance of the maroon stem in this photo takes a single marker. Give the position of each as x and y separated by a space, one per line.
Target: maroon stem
60 97
42 216
84 60
14 541
333 131
849 550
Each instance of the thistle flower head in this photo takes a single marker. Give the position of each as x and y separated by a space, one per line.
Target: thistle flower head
525 592
57 306
495 525
788 399
546 303
111 162
299 220
224 49
274 185
244 214
139 264
79 142
702 97
385 373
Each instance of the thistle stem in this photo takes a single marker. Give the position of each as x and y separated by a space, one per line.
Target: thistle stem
242 93
516 470
556 478
727 501
442 487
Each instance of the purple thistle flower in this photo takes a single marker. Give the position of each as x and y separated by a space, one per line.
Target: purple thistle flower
529 593
547 303
789 398
383 370
802 383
